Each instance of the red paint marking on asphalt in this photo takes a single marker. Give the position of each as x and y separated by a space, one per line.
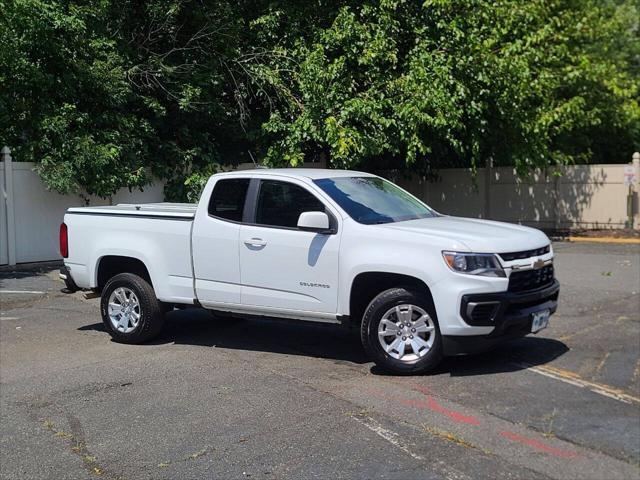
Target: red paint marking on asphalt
454 415
421 389
543 447
430 404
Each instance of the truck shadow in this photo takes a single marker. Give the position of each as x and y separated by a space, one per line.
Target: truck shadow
332 342
288 337
512 356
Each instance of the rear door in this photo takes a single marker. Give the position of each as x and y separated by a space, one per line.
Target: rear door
215 243
281 266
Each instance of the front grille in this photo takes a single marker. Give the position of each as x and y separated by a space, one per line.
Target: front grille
530 279
507 257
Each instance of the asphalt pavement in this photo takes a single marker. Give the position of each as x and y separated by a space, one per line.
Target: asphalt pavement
240 398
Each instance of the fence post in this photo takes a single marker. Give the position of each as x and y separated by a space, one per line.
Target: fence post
5 153
635 201
557 213
488 171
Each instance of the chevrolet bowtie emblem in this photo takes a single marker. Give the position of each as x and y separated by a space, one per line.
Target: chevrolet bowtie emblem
539 263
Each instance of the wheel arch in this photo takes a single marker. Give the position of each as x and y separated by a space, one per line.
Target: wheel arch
109 266
367 285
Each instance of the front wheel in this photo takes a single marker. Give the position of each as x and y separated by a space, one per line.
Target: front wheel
130 310
400 332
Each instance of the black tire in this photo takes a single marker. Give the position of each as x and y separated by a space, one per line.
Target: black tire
151 309
369 331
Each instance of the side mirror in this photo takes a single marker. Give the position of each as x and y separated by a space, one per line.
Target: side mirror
314 222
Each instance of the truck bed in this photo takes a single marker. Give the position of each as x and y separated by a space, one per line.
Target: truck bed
162 210
157 234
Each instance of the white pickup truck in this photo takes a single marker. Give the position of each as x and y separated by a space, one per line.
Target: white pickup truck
318 245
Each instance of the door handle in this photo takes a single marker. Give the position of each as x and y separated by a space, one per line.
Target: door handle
255 242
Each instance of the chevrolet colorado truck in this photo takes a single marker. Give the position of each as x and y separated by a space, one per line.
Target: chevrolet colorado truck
316 245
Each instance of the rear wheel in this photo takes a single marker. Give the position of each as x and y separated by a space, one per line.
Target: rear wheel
400 332
130 310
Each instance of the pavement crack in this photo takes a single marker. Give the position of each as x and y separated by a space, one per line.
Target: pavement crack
77 445
451 437
200 453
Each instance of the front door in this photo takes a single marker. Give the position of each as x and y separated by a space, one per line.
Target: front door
284 267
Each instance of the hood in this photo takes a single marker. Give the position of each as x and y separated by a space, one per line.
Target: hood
480 236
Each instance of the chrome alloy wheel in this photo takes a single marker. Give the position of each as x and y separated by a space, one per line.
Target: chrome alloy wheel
124 310
406 332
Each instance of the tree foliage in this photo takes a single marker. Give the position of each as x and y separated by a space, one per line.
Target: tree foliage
459 82
104 94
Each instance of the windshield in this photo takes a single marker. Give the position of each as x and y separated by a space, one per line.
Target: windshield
371 200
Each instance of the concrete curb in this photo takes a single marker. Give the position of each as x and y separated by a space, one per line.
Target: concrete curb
624 241
31 267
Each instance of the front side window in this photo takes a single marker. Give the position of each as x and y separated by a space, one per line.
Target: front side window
372 200
227 198
281 203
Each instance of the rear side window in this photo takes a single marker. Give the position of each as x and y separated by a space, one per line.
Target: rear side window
281 203
227 198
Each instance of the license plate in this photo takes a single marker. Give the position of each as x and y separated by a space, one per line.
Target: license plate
539 320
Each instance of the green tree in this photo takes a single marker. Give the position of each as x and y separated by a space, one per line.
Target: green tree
458 82
102 95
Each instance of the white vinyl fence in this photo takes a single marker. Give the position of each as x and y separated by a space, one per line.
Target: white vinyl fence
30 214
584 196
587 196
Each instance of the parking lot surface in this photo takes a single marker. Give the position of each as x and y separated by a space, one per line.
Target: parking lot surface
240 398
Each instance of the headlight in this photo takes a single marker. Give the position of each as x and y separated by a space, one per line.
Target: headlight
483 264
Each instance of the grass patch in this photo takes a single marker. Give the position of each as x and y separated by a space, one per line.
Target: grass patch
453 438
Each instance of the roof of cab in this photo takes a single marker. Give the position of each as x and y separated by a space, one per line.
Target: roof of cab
311 173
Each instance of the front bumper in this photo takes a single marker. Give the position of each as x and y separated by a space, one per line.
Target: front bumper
508 313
